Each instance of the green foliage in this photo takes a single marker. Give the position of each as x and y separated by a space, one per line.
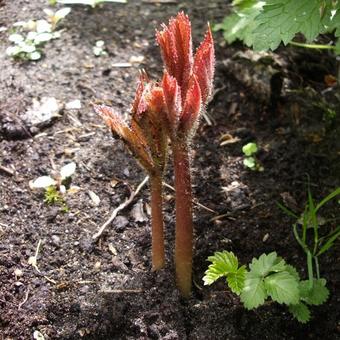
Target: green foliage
249 149
269 276
225 264
53 196
29 36
250 160
265 24
309 223
300 312
315 295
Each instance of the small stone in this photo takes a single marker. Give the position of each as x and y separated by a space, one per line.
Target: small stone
18 272
73 105
55 240
120 222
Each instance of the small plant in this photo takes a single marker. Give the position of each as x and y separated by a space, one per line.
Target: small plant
170 110
92 3
269 276
313 245
55 187
250 161
147 140
30 36
265 24
99 48
187 84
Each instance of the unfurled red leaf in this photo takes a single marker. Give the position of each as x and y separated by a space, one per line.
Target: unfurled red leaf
176 46
133 138
192 106
204 65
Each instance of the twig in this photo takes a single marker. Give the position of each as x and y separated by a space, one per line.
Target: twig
33 259
8 171
119 208
193 201
25 299
119 291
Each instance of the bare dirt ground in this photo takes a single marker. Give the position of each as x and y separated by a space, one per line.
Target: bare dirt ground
105 289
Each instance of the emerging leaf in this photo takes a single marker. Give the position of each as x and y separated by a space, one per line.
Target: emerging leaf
192 106
176 46
172 95
301 312
317 295
204 65
236 280
264 264
254 292
282 287
222 263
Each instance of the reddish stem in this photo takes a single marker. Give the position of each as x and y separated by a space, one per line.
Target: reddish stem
184 224
158 256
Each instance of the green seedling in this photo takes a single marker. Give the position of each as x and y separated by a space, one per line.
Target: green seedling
307 232
30 36
55 187
92 3
250 161
99 48
268 277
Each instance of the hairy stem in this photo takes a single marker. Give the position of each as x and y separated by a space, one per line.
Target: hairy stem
184 225
158 256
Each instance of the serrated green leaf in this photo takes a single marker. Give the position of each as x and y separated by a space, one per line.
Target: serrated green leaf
292 271
236 280
241 23
300 311
280 20
263 265
253 293
222 263
282 287
317 295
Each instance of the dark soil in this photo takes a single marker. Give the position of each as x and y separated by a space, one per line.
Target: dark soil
105 289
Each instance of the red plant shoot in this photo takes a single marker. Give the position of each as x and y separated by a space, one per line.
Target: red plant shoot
170 110
187 84
147 140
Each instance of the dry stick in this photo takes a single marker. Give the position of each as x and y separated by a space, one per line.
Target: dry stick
119 208
193 200
8 171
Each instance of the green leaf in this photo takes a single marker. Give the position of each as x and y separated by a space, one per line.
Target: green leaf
292 271
249 149
300 311
333 194
241 23
253 293
236 280
317 295
280 20
282 288
222 263
249 162
330 241
264 264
